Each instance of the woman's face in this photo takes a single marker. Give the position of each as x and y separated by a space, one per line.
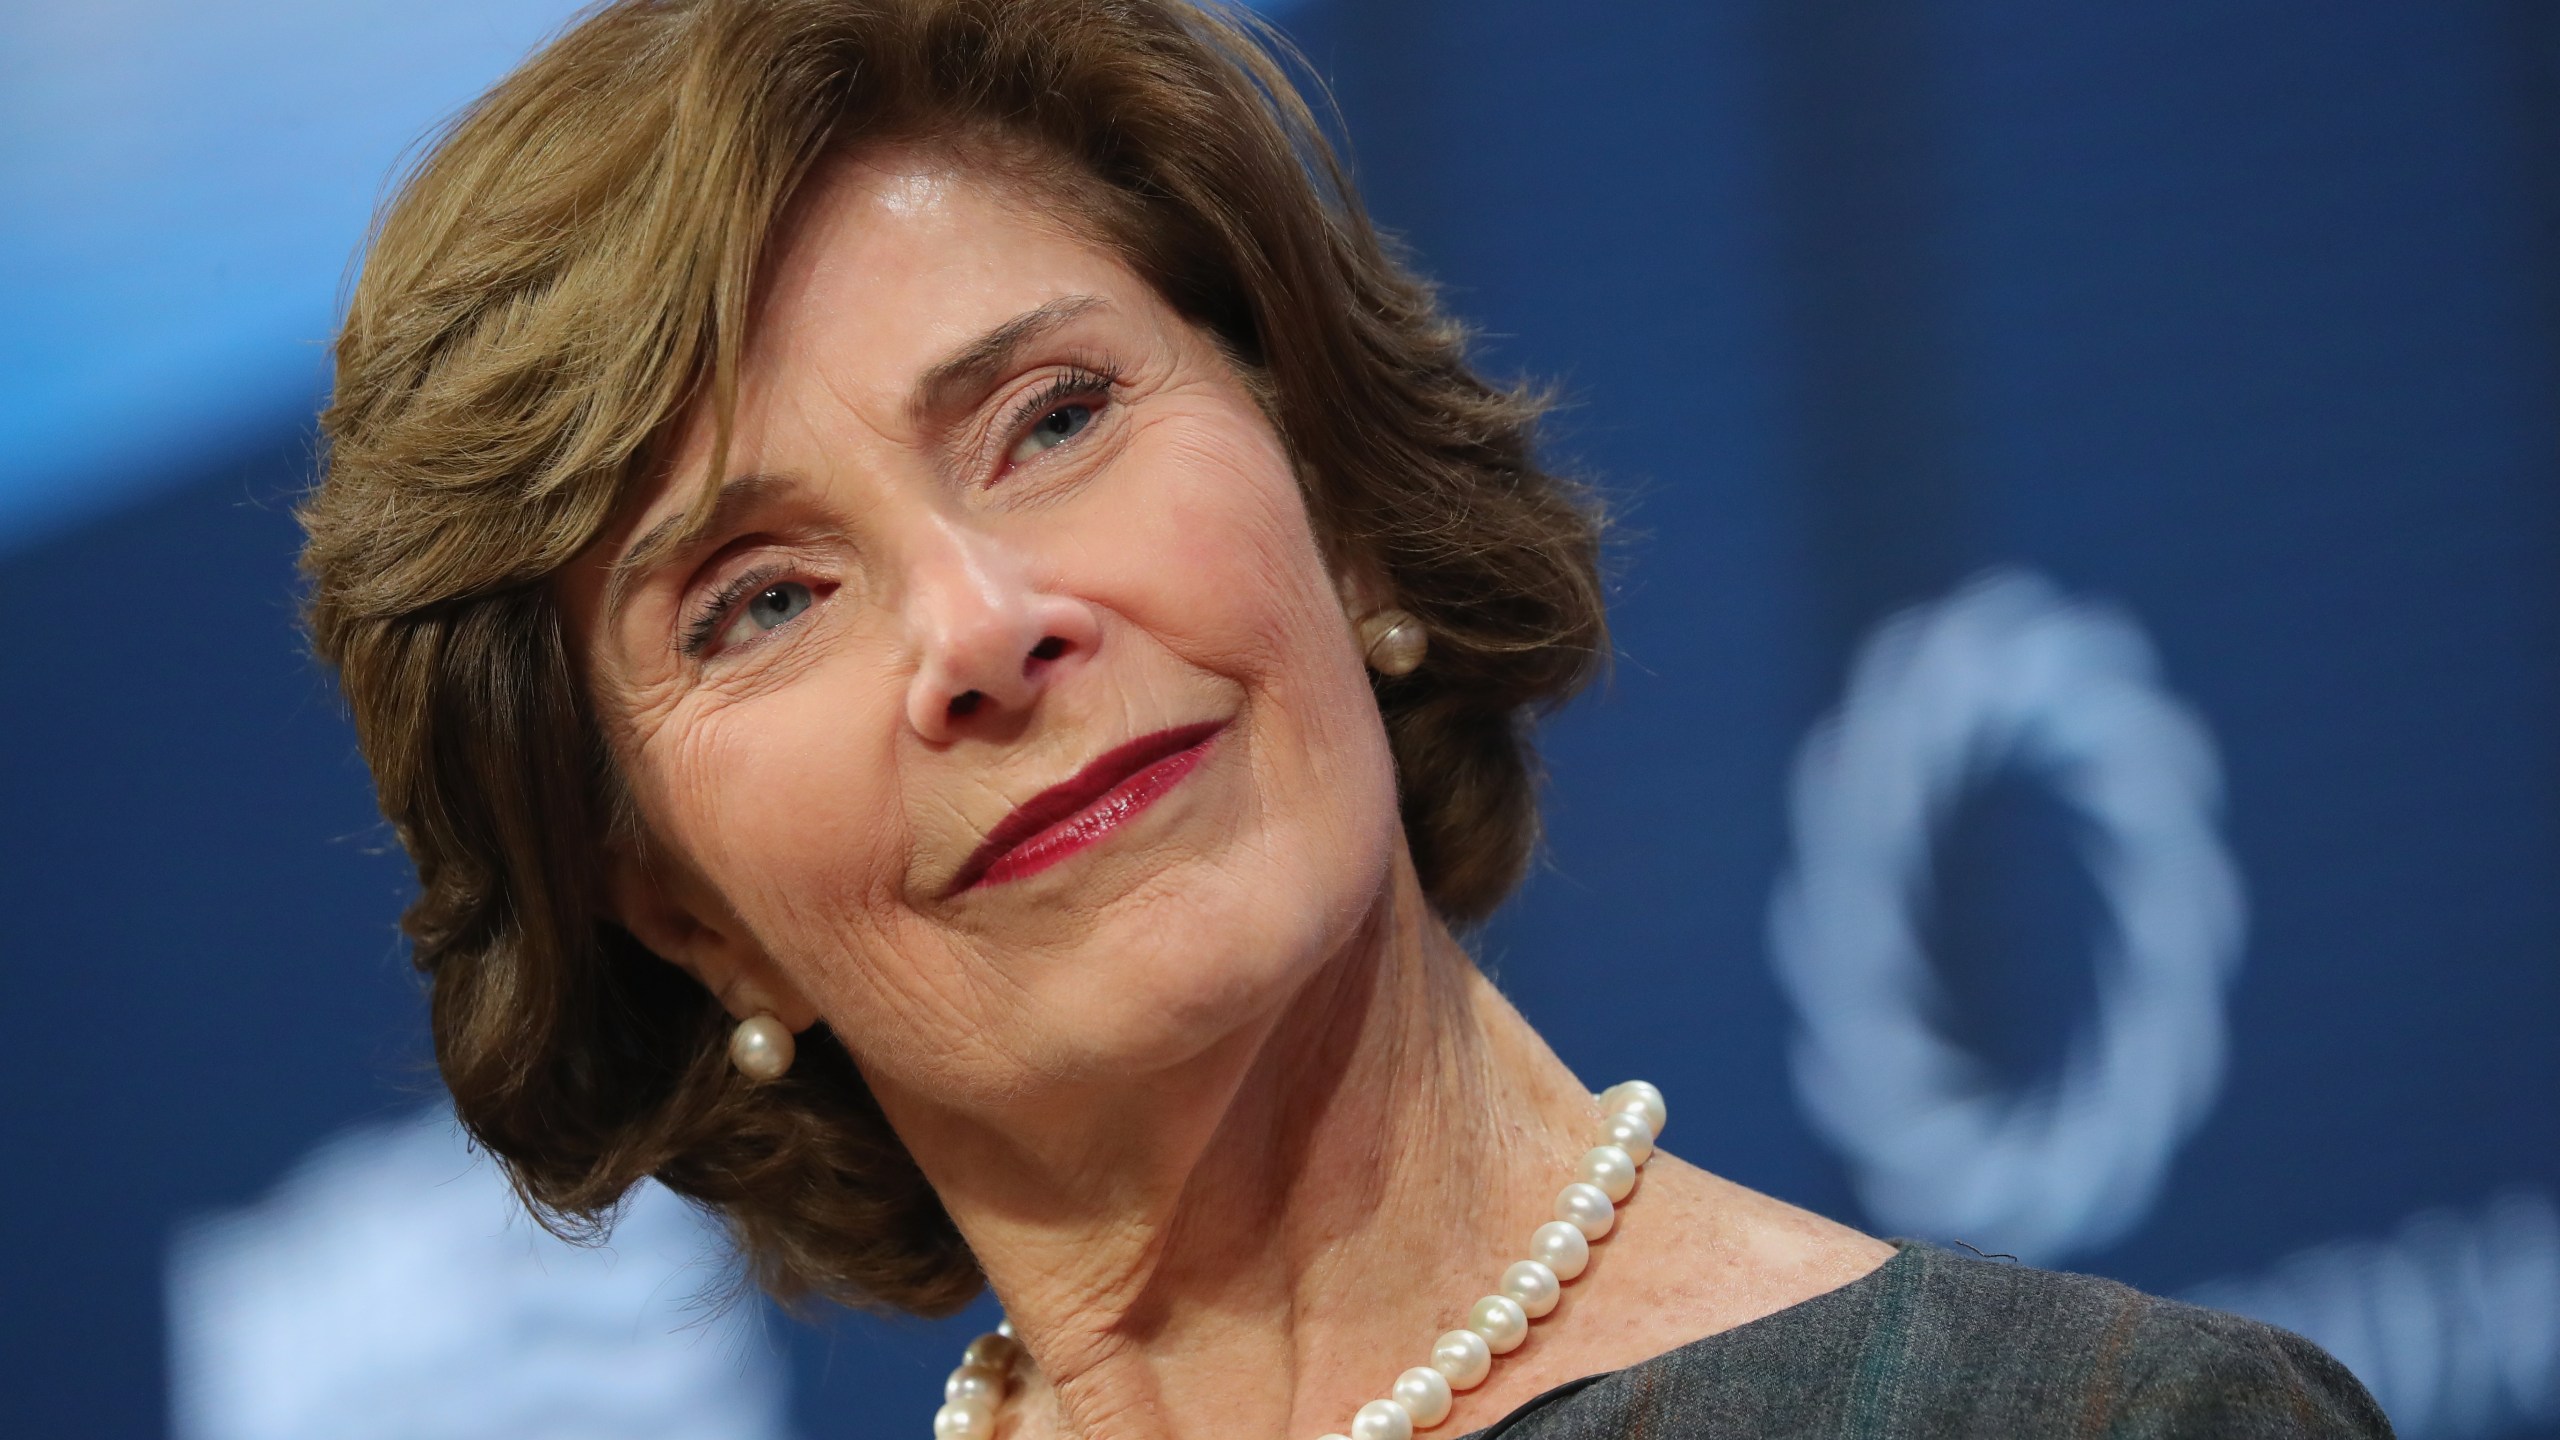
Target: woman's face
1006 715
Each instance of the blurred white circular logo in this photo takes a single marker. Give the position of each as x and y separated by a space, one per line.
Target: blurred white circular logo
391 1288
2007 675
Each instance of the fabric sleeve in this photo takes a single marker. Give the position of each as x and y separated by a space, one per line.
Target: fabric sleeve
2199 1373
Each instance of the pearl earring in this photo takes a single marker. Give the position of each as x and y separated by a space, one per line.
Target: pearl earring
761 1048
1393 642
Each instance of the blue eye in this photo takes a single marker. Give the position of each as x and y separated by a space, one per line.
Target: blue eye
776 604
744 609
1053 429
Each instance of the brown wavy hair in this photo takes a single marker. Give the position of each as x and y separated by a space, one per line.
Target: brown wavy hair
568 273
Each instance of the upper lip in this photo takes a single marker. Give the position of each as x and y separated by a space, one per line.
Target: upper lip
1074 793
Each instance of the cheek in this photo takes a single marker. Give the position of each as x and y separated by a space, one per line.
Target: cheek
789 805
794 804
1220 564
801 809
1223 570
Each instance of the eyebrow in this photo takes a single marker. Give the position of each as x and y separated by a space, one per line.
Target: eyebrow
957 378
669 534
944 387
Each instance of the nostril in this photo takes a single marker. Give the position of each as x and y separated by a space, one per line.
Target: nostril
965 703
1049 648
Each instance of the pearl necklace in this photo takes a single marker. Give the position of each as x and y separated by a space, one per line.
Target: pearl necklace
1632 1114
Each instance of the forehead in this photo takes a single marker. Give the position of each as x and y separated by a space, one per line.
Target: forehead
890 259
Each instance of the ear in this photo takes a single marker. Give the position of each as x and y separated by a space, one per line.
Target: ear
683 920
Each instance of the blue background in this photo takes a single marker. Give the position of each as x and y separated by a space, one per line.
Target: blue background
2242 318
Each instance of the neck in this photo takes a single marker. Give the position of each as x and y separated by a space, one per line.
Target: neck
1260 1240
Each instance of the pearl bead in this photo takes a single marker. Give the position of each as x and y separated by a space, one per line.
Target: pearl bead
1501 1321
1532 1284
964 1420
1382 1420
1637 1095
992 1351
761 1048
975 1382
1463 1356
1586 1208
1629 1131
1424 1393
1560 1248
1005 1329
1610 1168
1394 642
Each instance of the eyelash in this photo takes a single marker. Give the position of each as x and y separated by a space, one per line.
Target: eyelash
1081 380
715 612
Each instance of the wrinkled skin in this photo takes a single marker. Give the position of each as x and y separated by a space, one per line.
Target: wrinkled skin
1221 1107
815 775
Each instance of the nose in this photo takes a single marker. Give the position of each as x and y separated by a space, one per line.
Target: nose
987 639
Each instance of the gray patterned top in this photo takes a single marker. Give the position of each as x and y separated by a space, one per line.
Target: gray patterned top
1933 1344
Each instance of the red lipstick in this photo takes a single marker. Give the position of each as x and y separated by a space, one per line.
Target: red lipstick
1086 807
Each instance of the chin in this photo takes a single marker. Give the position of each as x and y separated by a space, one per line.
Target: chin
1212 952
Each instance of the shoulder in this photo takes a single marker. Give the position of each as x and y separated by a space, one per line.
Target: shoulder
2192 1371
2029 1349
1934 1344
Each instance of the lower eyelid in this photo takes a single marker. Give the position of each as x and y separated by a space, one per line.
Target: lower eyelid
1102 402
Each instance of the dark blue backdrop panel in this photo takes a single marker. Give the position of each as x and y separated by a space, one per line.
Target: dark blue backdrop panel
204 978
2254 344
2132 428
2233 316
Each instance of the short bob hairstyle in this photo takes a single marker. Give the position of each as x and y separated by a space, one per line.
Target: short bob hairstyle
568 274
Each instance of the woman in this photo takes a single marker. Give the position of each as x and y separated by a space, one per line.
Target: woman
949 638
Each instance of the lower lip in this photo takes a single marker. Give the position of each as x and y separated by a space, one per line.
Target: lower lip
1096 822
